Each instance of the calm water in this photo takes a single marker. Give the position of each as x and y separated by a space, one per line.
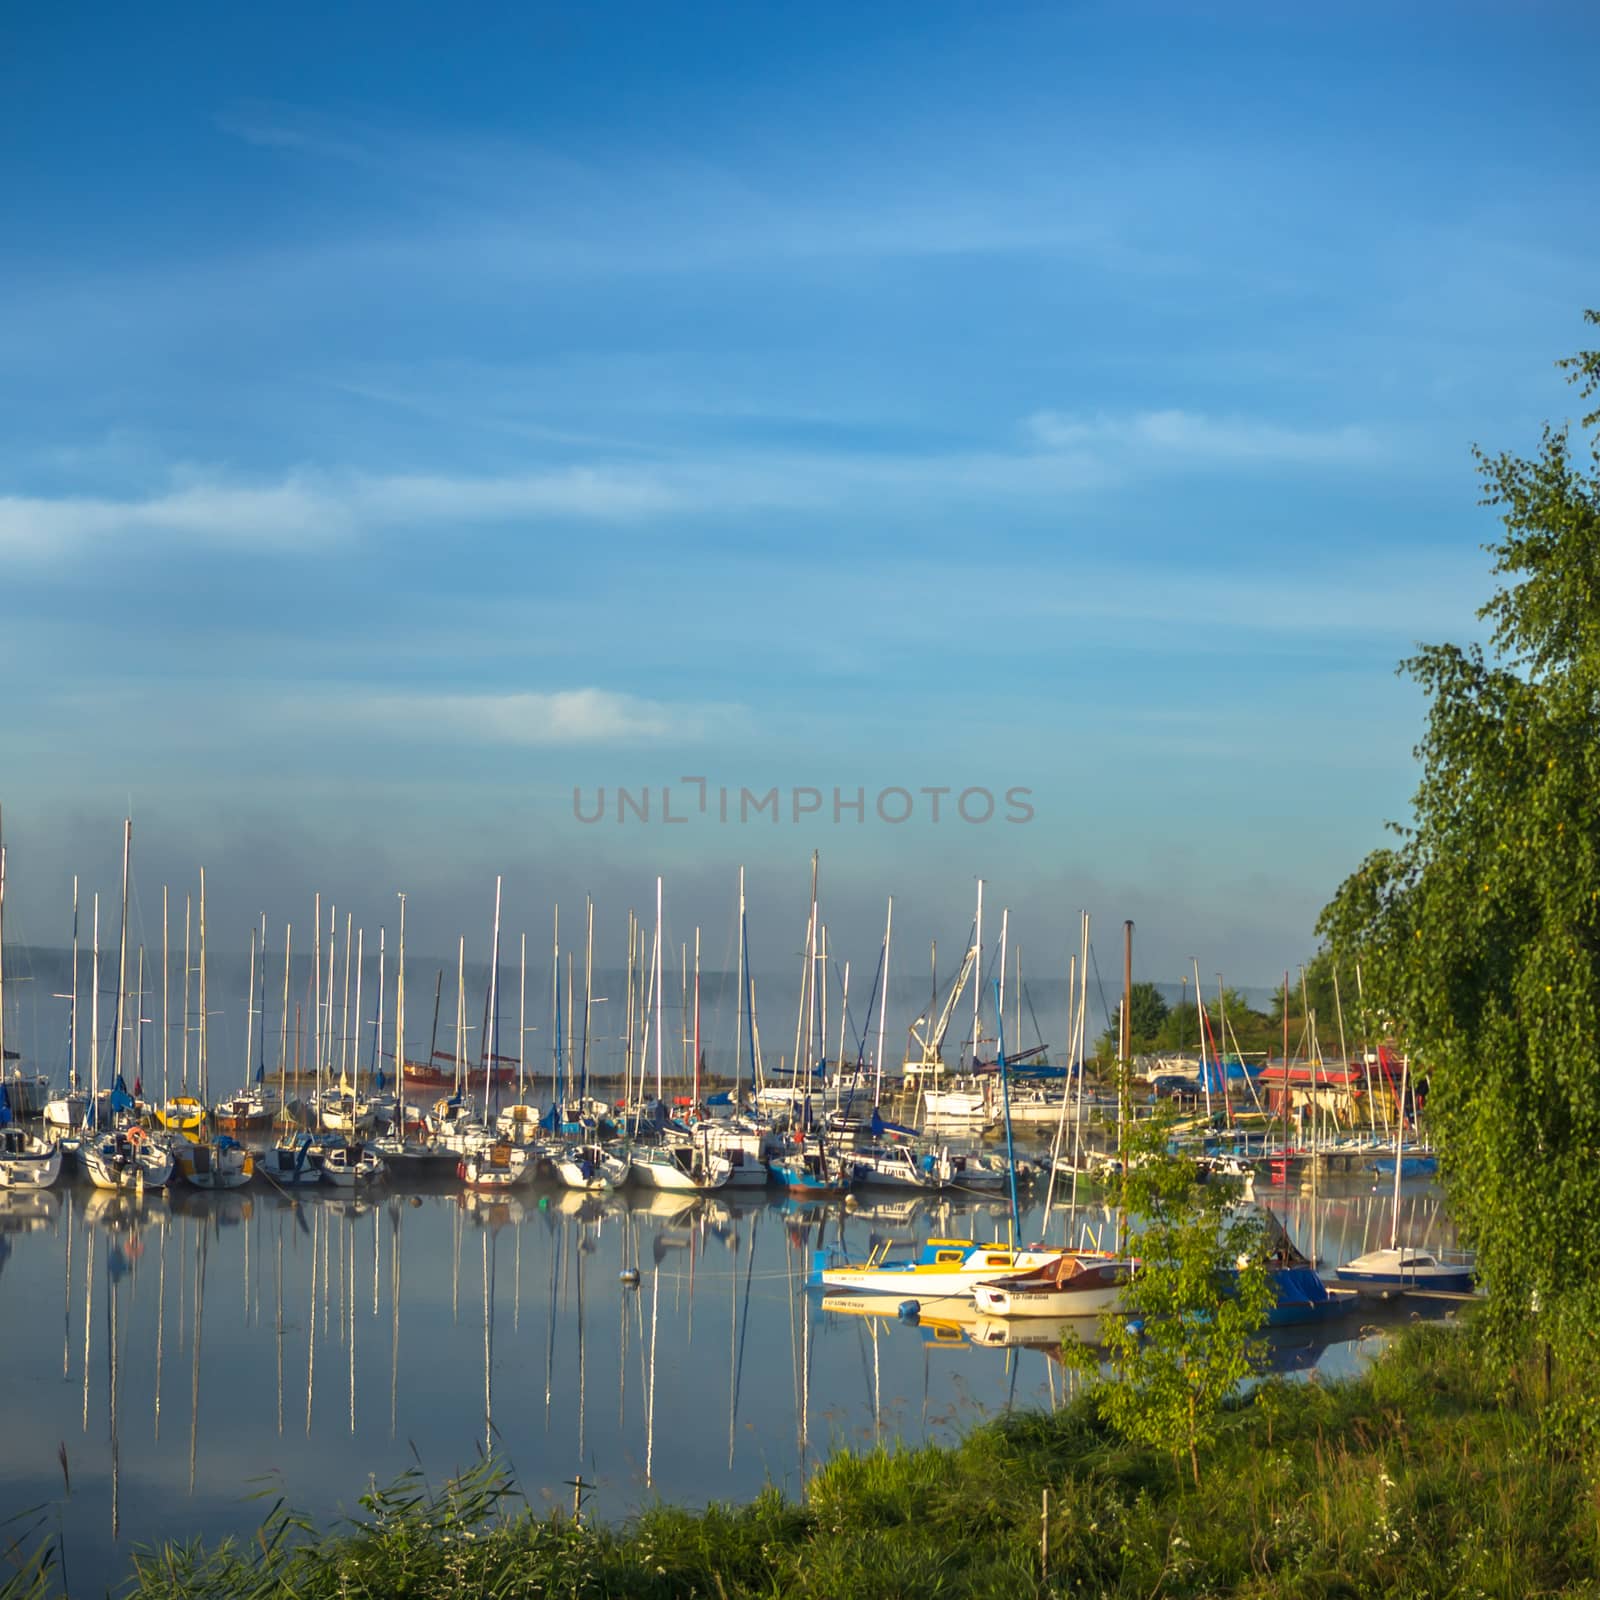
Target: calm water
190 1351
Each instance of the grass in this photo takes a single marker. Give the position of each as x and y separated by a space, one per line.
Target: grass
1425 1476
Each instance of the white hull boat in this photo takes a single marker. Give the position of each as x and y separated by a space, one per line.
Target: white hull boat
126 1161
945 1268
26 1161
289 1165
1071 1286
223 1164
496 1166
345 1169
66 1112
1402 1267
593 1170
680 1169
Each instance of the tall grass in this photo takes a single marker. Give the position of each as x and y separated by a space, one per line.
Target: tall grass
1426 1476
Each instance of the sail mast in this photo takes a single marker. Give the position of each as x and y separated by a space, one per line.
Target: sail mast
122 947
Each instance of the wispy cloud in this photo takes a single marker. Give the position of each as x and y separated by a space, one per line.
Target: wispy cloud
538 719
1059 455
1194 438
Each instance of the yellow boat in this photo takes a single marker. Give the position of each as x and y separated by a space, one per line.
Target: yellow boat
182 1114
943 1268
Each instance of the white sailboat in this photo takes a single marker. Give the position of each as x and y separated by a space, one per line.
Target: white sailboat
27 1161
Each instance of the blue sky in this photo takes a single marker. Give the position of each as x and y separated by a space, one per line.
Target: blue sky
414 414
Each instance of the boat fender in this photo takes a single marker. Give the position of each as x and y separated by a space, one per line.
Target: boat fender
630 1276
909 1310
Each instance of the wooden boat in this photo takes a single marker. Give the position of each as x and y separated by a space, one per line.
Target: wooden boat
27 1161
1069 1286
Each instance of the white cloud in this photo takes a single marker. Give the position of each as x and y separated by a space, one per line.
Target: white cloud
1186 438
534 719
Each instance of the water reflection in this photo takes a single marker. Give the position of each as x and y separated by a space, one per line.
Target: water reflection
727 1369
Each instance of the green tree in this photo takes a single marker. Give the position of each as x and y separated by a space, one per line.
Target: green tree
1199 1294
1479 929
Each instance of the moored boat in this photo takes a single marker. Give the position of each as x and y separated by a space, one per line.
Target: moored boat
494 1166
223 1163
127 1159
943 1267
27 1161
1404 1267
1069 1286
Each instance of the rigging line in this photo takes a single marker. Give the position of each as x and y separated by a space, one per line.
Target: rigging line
1038 1032
1100 984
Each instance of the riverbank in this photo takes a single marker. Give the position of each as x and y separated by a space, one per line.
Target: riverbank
1423 1476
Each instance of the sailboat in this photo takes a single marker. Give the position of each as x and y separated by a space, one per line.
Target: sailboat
495 1166
592 1168
1401 1266
126 1158
222 1163
26 1160
65 1113
254 1107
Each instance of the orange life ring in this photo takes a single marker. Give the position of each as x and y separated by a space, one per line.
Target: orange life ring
135 1137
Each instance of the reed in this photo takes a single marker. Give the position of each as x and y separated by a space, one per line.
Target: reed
1427 1475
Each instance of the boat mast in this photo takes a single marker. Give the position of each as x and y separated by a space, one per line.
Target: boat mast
344 1011
696 1092
355 1047
883 1000
494 1007
658 989
522 1015
94 1022
283 1033
166 1020
200 1060
188 907
72 1052
738 1005
316 997
377 1035
250 1006
261 1010
1399 1152
122 947
461 1011
588 1000
977 978
555 1015
400 1008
